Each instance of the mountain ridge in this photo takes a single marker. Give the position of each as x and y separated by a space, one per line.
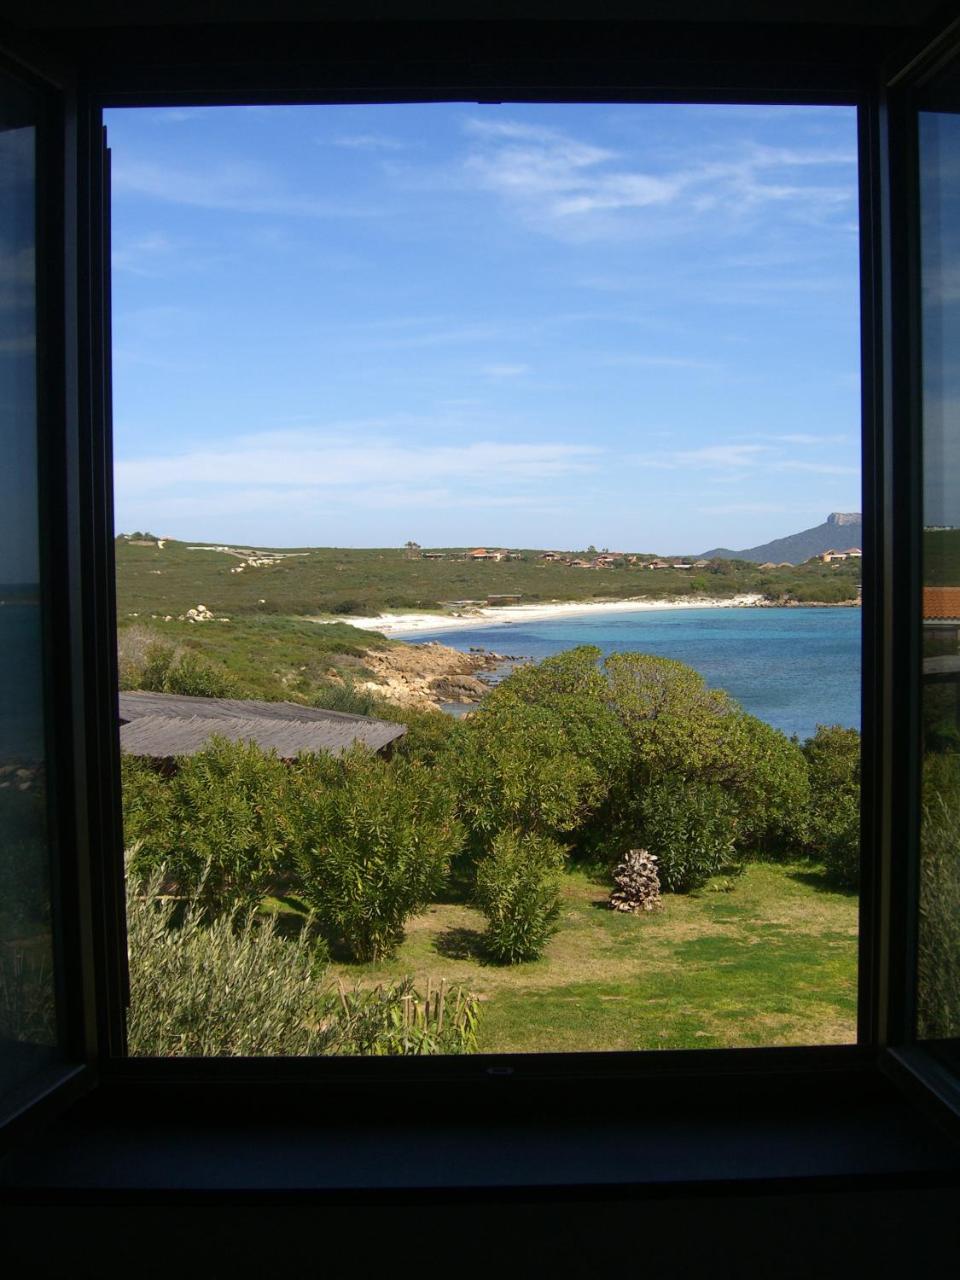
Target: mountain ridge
841 531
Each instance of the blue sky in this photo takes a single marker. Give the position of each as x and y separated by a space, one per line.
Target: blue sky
632 326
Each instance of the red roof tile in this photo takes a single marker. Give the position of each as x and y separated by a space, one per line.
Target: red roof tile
941 602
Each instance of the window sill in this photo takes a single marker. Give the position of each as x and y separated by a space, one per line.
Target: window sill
188 1143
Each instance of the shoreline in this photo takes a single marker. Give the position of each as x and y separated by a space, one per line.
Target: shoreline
397 624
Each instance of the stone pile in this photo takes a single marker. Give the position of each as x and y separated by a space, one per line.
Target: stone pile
638 883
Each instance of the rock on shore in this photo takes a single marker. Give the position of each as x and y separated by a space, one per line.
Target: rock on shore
426 675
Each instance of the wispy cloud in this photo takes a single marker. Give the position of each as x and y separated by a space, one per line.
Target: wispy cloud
563 185
228 186
370 142
640 361
331 462
744 459
498 371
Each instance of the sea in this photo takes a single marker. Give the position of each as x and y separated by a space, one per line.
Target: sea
794 668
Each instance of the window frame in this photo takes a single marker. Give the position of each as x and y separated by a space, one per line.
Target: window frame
485 62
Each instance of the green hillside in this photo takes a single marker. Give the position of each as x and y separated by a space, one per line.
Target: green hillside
155 582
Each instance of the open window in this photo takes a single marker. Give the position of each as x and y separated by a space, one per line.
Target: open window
88 847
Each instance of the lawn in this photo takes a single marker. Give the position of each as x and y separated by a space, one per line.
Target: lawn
766 959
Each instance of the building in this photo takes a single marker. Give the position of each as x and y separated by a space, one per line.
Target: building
163 726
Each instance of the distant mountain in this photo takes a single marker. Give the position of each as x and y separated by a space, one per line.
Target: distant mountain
841 531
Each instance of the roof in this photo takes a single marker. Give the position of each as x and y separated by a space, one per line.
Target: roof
941 602
163 725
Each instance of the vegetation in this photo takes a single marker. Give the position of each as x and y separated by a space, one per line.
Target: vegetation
568 756
938 951
374 844
518 890
832 831
221 826
275 659
771 962
691 829
264 993
154 583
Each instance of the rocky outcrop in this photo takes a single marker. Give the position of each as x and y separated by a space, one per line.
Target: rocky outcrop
428 674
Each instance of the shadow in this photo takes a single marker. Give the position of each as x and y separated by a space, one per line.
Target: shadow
601 904
819 879
461 944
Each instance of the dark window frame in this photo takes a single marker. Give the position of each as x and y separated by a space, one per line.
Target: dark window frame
532 63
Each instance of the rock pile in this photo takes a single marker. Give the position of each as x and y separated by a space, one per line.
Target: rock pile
638 883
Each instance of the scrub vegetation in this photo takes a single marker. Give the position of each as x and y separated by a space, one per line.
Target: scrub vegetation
155 582
482 853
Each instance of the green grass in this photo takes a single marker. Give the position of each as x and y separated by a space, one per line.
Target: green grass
333 580
773 961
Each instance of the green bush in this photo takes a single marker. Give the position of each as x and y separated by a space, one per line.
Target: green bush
681 730
167 669
938 950
691 827
832 826
223 825
514 768
238 987
518 890
376 839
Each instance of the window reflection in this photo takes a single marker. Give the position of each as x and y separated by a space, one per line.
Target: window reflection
938 996
27 1025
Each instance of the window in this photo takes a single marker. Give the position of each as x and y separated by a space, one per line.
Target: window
572 346
120 68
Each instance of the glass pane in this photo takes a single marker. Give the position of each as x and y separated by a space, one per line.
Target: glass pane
27 1023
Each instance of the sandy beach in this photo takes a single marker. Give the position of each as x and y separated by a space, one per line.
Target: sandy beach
397 624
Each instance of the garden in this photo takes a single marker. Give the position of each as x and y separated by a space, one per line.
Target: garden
457 897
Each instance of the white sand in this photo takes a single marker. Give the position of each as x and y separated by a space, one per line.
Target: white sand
395 624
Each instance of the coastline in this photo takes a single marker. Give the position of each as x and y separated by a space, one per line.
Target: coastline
409 624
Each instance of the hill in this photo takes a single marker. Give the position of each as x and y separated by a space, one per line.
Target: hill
840 531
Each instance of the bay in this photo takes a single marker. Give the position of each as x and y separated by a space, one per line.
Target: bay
794 668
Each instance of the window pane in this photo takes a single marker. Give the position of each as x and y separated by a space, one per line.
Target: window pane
27 1024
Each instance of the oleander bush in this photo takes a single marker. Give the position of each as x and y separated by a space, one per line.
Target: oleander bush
832 817
518 890
375 844
223 825
691 828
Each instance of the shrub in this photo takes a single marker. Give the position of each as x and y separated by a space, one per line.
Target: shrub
431 736
938 951
223 826
832 831
515 768
682 730
691 828
165 669
228 987
376 841
518 890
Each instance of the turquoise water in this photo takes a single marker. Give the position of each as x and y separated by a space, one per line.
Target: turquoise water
794 668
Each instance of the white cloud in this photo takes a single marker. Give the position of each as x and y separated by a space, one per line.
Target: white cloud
505 370
564 186
228 186
332 462
370 142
